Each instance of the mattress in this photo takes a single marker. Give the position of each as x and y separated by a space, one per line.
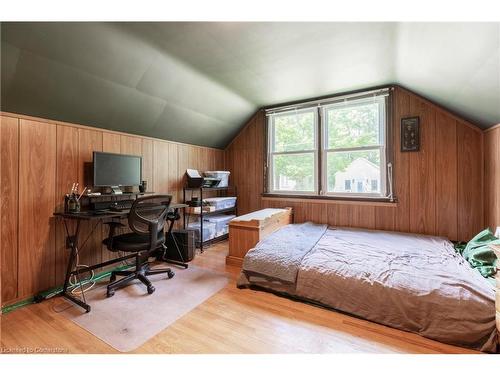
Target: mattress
411 282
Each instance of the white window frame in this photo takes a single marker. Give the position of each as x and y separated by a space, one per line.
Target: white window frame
382 146
271 153
319 107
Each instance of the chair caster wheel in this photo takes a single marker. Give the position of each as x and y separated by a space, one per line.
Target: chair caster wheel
151 289
112 278
170 274
110 293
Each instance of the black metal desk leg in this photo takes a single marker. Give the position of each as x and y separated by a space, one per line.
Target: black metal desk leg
73 243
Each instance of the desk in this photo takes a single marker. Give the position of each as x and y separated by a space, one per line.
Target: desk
74 238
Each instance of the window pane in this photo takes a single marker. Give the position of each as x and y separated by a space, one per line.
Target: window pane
294 132
354 172
293 172
353 125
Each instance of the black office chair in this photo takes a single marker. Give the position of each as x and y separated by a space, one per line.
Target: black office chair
147 220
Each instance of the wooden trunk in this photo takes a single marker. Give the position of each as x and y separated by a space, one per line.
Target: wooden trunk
245 231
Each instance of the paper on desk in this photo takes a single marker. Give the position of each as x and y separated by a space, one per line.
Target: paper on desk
193 173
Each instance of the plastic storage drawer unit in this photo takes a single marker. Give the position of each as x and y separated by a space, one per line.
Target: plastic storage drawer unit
208 230
221 203
221 223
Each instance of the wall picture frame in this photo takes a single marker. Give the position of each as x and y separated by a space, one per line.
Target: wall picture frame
410 134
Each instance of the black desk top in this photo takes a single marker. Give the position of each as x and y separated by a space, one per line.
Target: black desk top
105 214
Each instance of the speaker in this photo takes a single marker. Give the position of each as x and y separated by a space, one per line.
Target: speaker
185 243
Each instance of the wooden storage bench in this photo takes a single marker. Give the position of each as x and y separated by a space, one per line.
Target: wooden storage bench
245 231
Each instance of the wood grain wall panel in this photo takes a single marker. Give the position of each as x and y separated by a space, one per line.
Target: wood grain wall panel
398 218
9 191
1 252
160 163
37 176
174 180
130 145
147 163
67 158
88 142
62 154
428 193
182 163
470 185
111 142
492 178
446 176
422 171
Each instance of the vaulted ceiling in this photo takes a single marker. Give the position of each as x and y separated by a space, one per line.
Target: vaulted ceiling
199 82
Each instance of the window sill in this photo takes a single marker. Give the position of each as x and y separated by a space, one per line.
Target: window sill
383 202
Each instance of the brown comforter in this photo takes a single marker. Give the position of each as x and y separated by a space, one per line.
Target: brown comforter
412 282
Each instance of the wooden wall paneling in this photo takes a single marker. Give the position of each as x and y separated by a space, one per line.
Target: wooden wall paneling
130 145
174 180
422 171
9 191
495 218
219 160
259 158
492 178
401 170
111 142
66 174
446 189
182 165
428 196
51 156
37 176
88 142
147 163
489 172
363 216
160 163
494 209
1 253
396 218
470 187
192 157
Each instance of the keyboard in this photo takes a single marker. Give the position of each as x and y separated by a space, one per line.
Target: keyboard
121 205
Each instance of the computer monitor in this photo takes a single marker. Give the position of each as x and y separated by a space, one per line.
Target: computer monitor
114 170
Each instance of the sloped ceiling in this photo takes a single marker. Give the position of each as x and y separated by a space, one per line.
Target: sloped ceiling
199 82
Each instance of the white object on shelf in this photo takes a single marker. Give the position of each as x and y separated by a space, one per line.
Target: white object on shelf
221 203
221 223
193 173
223 176
497 232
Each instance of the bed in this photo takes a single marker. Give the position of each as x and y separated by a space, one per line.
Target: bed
411 282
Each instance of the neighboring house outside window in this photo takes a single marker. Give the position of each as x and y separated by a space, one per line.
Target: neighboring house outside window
363 172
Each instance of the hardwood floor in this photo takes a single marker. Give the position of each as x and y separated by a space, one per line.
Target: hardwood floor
231 321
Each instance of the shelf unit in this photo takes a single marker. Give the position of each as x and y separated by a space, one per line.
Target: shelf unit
220 192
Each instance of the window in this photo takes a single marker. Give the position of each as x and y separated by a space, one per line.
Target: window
293 152
332 148
347 185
